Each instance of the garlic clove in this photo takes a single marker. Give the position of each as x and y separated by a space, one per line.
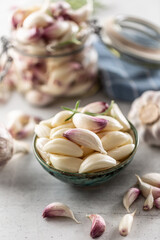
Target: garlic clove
126 224
37 19
63 147
59 133
116 113
40 142
47 122
85 121
120 153
131 195
85 138
60 118
98 225
145 188
152 179
64 163
42 131
38 98
95 107
115 139
96 162
66 125
148 204
58 209
157 202
112 124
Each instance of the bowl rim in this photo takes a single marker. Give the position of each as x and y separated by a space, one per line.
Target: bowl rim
107 171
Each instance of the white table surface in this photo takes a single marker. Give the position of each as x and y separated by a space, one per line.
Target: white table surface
25 188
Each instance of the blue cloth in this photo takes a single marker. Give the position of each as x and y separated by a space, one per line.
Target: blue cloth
125 80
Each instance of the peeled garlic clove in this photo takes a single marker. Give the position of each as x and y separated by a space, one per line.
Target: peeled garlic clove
42 131
145 188
37 19
96 162
58 209
64 163
98 225
126 224
47 122
131 195
86 151
122 152
39 145
59 133
116 113
112 124
60 118
148 204
157 202
66 125
115 139
152 179
85 121
63 147
85 138
95 107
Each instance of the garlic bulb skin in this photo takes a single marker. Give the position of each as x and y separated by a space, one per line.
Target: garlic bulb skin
144 114
6 145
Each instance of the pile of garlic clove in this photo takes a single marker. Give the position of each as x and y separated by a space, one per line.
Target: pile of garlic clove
149 187
87 139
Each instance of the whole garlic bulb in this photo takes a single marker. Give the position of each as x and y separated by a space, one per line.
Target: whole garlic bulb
145 115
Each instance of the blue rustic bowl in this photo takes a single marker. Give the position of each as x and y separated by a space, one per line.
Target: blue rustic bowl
87 179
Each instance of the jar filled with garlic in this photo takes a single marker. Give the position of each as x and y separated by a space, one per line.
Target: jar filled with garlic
88 139
52 52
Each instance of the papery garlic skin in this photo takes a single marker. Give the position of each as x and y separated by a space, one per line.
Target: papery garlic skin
58 209
63 147
98 225
120 153
85 138
96 162
130 196
148 204
65 163
157 202
126 224
84 121
145 188
114 139
152 179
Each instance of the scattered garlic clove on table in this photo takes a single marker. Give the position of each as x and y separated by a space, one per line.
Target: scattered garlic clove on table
157 202
148 204
98 225
152 179
130 196
126 224
58 209
85 138
96 162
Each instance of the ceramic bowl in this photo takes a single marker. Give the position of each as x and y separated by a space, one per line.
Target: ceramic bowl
87 179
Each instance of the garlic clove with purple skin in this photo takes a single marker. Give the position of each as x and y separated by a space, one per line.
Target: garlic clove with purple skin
84 121
96 162
112 124
152 179
148 204
95 107
131 195
157 202
28 35
126 224
58 209
145 188
56 30
85 138
98 225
